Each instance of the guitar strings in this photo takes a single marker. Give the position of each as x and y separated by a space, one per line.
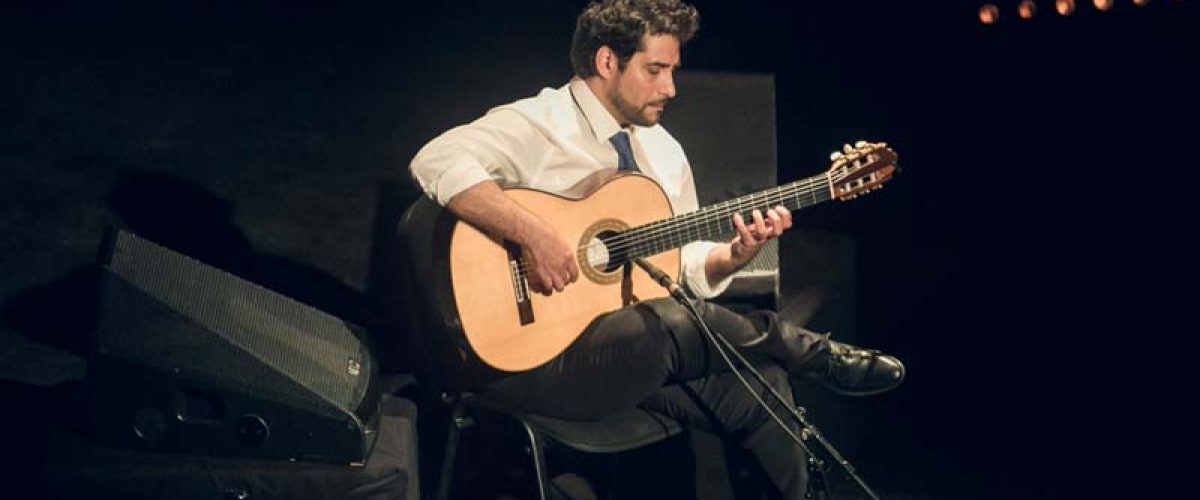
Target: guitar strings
686 225
718 214
683 225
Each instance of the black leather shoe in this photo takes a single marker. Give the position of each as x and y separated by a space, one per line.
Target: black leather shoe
855 371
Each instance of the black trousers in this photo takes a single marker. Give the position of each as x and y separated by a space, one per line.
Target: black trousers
653 354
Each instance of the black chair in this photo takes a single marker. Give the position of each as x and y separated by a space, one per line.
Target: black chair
747 103
462 409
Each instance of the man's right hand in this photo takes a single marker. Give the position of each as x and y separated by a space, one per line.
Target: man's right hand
549 261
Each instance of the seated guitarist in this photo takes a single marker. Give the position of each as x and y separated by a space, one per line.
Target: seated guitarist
569 140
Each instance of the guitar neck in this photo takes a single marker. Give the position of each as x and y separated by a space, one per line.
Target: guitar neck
715 221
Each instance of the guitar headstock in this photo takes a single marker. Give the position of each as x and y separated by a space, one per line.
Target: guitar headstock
859 169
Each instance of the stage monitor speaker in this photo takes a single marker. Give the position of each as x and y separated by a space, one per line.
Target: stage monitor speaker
189 358
726 123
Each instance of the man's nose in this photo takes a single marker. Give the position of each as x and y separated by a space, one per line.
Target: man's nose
668 87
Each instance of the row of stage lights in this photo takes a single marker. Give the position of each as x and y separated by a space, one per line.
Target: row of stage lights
1026 9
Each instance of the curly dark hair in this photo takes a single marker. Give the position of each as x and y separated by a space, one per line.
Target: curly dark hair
620 24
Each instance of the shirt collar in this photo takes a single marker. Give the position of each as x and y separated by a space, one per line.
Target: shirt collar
602 122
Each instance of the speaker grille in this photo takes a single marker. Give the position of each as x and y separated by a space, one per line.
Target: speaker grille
313 349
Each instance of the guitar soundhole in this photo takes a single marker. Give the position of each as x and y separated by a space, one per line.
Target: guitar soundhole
605 252
602 251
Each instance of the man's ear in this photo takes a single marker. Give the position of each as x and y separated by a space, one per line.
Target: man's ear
606 62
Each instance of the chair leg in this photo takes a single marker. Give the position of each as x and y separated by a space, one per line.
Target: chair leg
458 422
451 452
537 455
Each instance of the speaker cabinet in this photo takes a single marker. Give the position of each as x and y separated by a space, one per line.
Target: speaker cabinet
189 358
726 123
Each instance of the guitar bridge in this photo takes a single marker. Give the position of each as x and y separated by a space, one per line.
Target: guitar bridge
520 283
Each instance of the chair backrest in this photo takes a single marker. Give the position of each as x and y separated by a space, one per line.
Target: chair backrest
423 235
421 325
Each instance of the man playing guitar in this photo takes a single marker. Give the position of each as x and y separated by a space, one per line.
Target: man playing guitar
582 139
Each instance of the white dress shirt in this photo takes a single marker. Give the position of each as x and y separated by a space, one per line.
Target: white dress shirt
557 141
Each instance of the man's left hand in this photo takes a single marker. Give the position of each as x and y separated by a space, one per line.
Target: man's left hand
751 237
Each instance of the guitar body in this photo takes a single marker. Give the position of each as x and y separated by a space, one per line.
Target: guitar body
475 286
486 290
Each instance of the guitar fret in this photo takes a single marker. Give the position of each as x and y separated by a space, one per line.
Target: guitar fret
715 221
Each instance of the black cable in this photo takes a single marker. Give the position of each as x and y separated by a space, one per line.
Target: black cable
724 347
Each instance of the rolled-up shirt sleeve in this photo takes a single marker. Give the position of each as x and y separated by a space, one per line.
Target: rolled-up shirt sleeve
489 148
693 257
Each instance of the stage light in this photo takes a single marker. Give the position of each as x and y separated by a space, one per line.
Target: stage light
1064 7
1027 9
1140 2
1102 5
989 14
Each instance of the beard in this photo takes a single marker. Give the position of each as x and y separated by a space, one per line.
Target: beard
632 113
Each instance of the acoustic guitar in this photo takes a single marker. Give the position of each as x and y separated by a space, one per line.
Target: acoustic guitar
480 287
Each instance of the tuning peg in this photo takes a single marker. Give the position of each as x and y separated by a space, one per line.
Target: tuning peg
835 156
860 144
847 149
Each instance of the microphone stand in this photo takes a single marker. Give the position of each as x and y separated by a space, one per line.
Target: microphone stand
816 482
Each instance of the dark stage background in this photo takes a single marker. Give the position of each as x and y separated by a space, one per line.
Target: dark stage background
1006 264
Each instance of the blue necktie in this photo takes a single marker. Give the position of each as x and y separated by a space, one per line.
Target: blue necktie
625 162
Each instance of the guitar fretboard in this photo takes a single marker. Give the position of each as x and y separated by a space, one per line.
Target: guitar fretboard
715 221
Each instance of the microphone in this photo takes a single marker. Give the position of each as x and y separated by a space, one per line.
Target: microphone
662 279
